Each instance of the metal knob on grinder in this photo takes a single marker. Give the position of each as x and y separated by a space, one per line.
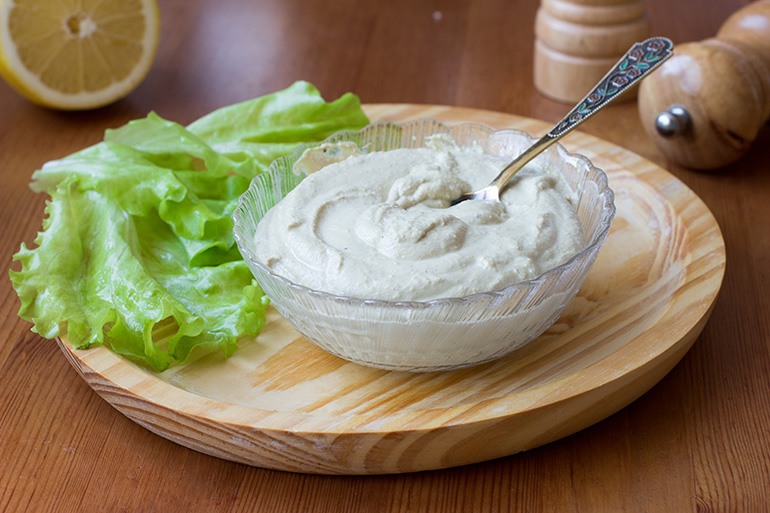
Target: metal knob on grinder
705 106
675 120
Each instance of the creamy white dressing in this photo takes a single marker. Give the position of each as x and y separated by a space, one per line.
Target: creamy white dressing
379 225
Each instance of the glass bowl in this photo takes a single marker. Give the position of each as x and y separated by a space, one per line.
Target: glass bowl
439 334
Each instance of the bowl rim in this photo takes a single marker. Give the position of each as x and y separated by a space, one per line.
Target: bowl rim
608 214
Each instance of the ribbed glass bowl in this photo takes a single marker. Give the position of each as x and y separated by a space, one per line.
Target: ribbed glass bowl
439 334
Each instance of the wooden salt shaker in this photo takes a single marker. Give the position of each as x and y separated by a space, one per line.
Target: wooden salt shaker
705 105
578 41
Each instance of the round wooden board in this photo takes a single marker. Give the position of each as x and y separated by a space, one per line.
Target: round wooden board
280 402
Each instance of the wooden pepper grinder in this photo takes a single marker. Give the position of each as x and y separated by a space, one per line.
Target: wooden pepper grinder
578 41
705 105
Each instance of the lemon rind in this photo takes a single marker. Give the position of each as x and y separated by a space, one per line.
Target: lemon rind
29 84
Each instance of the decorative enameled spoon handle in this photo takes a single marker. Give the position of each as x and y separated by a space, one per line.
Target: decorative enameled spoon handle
638 61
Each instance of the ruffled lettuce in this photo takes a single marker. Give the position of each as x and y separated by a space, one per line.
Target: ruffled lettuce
137 249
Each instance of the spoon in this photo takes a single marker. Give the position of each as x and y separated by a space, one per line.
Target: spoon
638 61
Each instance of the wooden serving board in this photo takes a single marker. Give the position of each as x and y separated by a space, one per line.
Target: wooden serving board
281 402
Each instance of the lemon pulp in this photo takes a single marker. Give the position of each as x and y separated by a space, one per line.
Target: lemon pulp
77 54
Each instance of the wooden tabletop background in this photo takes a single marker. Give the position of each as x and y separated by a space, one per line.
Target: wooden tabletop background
698 441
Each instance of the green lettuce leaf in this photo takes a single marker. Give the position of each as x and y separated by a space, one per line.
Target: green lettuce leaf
137 250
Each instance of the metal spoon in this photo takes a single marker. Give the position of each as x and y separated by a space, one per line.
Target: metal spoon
638 61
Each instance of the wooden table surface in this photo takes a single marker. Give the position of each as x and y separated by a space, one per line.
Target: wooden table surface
698 441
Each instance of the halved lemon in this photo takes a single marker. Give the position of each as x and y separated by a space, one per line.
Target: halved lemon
77 54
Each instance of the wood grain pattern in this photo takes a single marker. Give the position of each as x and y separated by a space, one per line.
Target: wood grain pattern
577 43
280 402
724 85
696 441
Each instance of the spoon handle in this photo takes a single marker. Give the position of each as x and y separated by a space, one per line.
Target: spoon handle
637 62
